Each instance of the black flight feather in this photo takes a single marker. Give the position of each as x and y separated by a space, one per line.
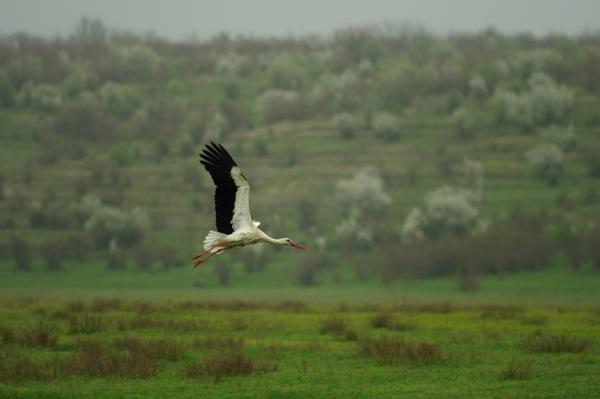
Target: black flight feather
217 161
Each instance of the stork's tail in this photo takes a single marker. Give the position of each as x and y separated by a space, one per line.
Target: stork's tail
212 239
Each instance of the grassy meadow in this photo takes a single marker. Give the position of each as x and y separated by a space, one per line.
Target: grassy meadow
447 189
109 347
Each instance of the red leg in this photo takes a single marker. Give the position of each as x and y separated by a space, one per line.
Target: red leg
201 261
209 249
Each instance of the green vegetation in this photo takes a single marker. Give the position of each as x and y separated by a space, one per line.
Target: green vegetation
447 189
111 347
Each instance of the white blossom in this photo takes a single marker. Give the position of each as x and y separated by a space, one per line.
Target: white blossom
448 210
364 191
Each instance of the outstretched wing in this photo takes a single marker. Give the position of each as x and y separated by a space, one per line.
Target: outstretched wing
232 194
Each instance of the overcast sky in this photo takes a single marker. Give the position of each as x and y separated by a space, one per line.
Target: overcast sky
182 19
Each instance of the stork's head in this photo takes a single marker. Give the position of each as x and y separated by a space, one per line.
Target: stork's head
293 244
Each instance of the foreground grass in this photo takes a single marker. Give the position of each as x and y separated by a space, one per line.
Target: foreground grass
110 347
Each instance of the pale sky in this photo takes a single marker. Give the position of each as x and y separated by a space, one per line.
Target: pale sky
182 19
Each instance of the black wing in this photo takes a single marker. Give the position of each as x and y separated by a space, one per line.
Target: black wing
218 163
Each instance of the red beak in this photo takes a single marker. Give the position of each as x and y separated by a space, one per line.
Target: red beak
296 245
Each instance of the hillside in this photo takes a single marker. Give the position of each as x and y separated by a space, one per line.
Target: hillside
99 124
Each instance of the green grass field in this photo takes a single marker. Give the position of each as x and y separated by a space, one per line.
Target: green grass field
295 349
73 325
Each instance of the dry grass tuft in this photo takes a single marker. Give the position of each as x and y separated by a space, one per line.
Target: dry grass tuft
40 334
547 343
392 350
382 320
386 320
96 358
7 335
516 370
227 365
16 368
105 304
185 325
74 306
87 324
334 325
161 348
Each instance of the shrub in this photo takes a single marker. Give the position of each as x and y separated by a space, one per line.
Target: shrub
345 124
593 244
49 214
108 224
364 191
230 65
83 119
544 103
306 270
144 257
550 103
137 62
387 127
168 257
277 105
287 71
223 272
121 156
53 252
464 123
592 162
261 147
117 260
546 160
7 91
21 253
485 253
448 210
77 82
563 138
161 116
117 100
45 97
255 258
478 87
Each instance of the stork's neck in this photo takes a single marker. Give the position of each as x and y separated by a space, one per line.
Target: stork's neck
267 238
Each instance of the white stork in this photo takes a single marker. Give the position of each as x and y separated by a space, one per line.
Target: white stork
235 227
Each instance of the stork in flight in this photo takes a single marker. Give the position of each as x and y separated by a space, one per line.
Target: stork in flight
235 227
